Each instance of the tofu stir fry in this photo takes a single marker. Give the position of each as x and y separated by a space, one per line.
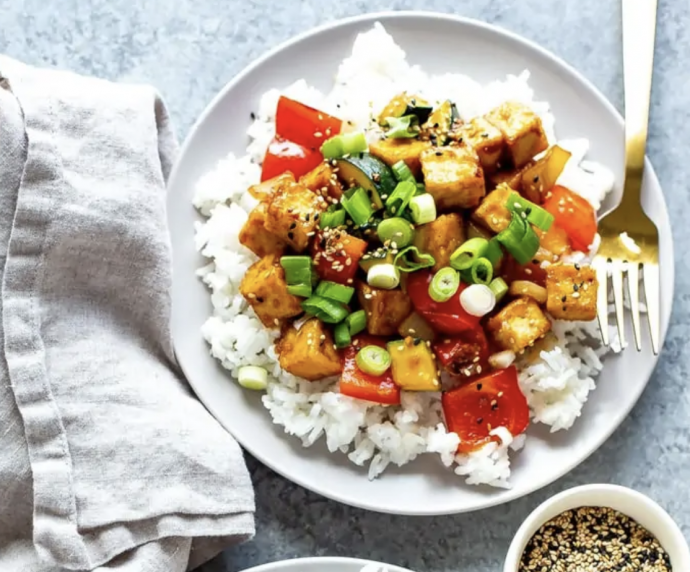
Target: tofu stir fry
424 255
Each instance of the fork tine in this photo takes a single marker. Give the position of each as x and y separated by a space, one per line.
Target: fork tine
650 273
600 265
634 292
617 284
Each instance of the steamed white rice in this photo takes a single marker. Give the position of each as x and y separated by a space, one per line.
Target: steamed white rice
556 379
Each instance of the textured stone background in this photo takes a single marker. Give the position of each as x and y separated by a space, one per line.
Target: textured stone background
190 48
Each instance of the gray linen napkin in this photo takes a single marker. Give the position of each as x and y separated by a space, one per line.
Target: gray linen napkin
107 461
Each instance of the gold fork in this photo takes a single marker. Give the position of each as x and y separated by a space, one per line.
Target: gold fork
618 256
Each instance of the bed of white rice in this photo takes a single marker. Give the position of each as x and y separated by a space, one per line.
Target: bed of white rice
556 379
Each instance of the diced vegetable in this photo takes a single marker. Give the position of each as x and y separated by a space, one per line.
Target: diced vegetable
478 300
572 292
385 276
356 322
297 269
574 215
402 172
323 180
482 271
444 284
423 208
512 270
502 360
328 311
467 253
522 131
538 179
301 290
528 289
358 205
417 327
332 218
344 144
486 139
309 352
355 383
398 200
518 325
493 400
453 176
252 377
255 236
413 365
337 255
381 255
373 360
465 354
419 109
409 259
366 171
341 335
499 288
397 106
440 237
519 239
494 253
304 125
385 309
405 127
334 291
395 231
283 155
529 211
390 151
439 123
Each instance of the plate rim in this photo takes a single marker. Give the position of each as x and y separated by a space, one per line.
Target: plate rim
323 561
373 17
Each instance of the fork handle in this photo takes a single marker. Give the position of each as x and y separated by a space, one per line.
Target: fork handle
639 27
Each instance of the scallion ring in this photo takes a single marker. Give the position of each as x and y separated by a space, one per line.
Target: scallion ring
405 127
301 290
356 322
297 269
341 335
529 211
385 276
423 208
482 271
465 255
344 144
519 239
400 197
402 172
326 310
373 360
410 259
477 300
499 287
334 291
444 284
358 205
252 377
395 231
332 219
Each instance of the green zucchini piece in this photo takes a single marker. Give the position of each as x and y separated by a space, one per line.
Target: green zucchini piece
366 171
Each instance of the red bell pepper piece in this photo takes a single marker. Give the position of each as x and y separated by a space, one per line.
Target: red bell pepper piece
489 401
337 256
466 353
305 125
512 270
355 383
573 214
283 155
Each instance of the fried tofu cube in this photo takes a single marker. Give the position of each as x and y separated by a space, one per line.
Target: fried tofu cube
492 212
390 151
264 191
522 131
397 106
440 238
453 176
385 309
324 181
309 352
517 326
265 289
571 292
291 215
255 236
486 139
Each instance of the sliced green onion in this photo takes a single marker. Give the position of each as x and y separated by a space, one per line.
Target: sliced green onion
332 219
410 259
519 239
326 310
396 230
444 284
252 377
344 144
384 276
301 290
499 288
373 360
533 213
494 252
465 255
400 197
423 208
421 112
405 127
334 291
402 172
341 335
358 205
477 300
482 271
297 269
356 322
421 189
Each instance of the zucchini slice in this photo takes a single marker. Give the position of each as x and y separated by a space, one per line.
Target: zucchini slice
366 171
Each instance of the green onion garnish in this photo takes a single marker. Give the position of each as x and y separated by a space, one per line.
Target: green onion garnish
444 284
519 239
530 211
344 144
356 322
301 290
494 252
482 271
499 288
297 269
423 208
252 377
335 292
395 231
341 335
373 360
332 219
405 127
326 310
402 172
358 205
384 276
400 197
465 255
421 189
422 112
410 260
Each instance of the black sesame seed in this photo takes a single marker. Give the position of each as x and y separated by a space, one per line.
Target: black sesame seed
293 226
439 153
564 298
417 341
479 420
259 299
252 115
291 235
479 387
536 179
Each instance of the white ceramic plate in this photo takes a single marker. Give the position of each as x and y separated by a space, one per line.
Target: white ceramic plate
439 44
322 564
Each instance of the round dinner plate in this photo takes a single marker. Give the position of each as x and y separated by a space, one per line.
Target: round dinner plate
438 43
323 564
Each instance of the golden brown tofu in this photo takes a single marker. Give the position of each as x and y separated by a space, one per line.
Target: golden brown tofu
255 236
453 176
309 353
485 138
386 309
324 181
397 106
264 191
265 289
390 151
518 325
522 131
291 215
572 292
440 238
492 212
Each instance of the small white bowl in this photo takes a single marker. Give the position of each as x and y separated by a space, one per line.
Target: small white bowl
631 503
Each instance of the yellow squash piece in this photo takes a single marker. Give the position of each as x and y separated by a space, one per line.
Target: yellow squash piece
309 352
538 179
413 365
396 106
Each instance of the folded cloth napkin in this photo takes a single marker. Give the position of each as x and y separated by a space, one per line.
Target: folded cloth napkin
107 461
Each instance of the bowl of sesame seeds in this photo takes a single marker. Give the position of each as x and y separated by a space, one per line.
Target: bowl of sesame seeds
598 528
